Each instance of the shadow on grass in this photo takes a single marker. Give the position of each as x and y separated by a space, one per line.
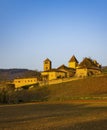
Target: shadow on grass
48 113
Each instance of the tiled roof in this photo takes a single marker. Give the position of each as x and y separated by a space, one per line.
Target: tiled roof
64 67
53 70
73 59
47 60
88 63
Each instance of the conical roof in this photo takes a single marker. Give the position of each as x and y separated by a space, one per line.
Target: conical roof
73 59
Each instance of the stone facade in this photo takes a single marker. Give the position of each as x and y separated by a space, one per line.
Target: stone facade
60 72
52 74
88 67
73 62
47 65
24 81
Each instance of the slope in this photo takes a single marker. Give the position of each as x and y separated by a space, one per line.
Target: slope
87 88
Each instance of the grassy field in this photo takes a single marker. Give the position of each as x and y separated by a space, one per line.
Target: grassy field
72 115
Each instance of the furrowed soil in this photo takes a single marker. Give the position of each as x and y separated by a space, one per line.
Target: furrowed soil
69 115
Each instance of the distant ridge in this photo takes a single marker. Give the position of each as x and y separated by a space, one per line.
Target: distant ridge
10 74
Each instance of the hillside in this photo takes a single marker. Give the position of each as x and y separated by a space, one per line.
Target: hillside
104 69
10 74
88 88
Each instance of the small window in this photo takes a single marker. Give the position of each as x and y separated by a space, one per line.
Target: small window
46 68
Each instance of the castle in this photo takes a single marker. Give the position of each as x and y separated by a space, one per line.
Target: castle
85 68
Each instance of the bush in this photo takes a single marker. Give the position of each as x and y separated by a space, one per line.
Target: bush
3 95
24 95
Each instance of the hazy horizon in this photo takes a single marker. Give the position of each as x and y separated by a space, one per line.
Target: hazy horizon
33 30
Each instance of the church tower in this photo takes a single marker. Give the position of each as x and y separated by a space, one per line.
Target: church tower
73 62
47 65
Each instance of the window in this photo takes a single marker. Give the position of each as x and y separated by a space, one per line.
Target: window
46 68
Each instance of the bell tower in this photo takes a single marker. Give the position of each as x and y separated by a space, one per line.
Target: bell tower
47 65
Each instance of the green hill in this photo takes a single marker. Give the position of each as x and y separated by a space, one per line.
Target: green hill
87 88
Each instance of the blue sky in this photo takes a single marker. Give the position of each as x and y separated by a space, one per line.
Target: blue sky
32 30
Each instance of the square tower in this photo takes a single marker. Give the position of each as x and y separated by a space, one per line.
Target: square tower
73 62
47 65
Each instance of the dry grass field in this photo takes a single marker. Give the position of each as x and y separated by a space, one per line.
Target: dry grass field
86 88
71 115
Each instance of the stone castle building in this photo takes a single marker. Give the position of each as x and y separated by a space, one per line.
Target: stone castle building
62 71
85 68
73 62
88 67
47 65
